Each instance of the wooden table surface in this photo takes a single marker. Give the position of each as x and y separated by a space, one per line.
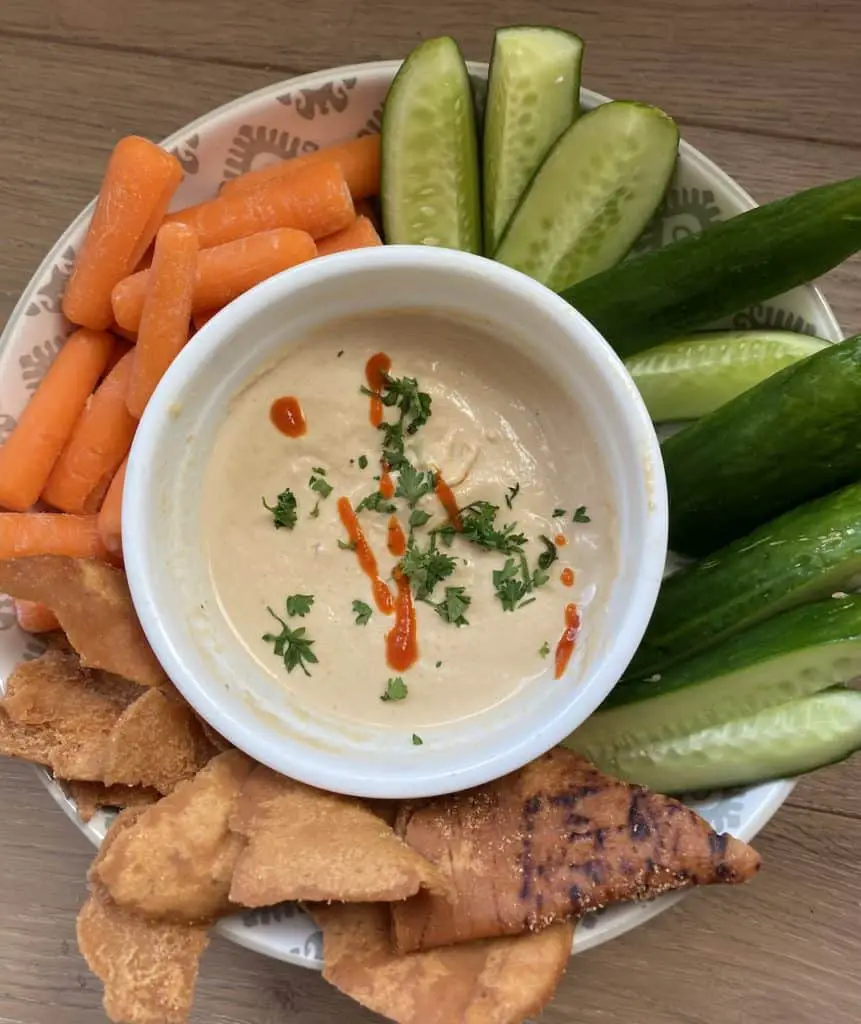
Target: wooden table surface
768 88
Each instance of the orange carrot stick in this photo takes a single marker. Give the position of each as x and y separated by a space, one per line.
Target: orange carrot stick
359 235
110 514
49 533
203 317
34 617
99 443
166 316
138 183
359 160
29 454
223 272
120 332
316 200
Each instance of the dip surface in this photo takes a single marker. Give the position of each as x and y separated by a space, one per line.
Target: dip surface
499 430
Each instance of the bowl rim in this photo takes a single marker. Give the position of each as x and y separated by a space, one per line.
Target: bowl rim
337 770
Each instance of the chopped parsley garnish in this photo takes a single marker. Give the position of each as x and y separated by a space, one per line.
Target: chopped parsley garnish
513 491
375 502
347 545
362 612
549 555
439 664
315 511
581 515
291 645
478 525
396 689
404 394
393 444
284 510
510 585
362 461
318 469
453 606
544 649
424 569
413 484
418 517
559 513
319 484
417 740
299 604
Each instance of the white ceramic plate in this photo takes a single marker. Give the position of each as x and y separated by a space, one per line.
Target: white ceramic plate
281 121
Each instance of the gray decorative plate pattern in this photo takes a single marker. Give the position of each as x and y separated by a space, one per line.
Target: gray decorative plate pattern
296 117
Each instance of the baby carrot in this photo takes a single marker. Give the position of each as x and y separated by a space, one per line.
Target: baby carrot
359 235
99 443
49 533
138 183
34 617
29 454
110 514
203 317
316 200
166 315
120 332
223 272
359 160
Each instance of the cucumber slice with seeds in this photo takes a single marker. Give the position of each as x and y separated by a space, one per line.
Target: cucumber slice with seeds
786 740
593 195
430 183
533 96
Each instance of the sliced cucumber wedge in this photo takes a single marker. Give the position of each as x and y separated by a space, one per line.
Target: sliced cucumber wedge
793 655
691 377
533 96
593 195
430 183
782 741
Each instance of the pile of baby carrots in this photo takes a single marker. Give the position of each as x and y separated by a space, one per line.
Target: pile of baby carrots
143 282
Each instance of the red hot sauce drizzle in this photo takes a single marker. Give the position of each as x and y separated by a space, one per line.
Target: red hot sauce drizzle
567 577
448 501
287 416
387 485
397 539
559 540
565 647
402 647
376 369
382 595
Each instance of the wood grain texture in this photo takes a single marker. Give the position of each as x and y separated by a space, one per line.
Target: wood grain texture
768 89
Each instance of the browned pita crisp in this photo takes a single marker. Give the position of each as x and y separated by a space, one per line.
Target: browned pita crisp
551 841
90 797
499 981
176 861
149 969
157 742
92 602
307 844
59 714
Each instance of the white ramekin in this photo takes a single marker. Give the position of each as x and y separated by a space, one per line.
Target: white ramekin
167 571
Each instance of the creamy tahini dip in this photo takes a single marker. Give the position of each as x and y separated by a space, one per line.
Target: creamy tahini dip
499 432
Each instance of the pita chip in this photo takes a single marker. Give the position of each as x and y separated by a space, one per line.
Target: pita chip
92 602
499 981
157 742
91 797
552 841
307 844
175 862
148 968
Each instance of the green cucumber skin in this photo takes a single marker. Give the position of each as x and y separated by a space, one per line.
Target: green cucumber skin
790 439
468 199
700 279
803 556
777 743
792 655
498 207
539 241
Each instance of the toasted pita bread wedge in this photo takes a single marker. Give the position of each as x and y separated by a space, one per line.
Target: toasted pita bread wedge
307 844
500 981
148 968
57 713
94 607
175 862
157 742
552 841
91 797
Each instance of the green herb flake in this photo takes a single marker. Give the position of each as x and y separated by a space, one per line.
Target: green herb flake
396 689
581 515
299 604
347 545
414 405
512 493
320 485
509 585
362 461
425 568
284 513
318 469
559 513
417 740
549 555
362 612
544 649
478 526
413 484
439 664
291 645
418 517
375 502
454 606
315 511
